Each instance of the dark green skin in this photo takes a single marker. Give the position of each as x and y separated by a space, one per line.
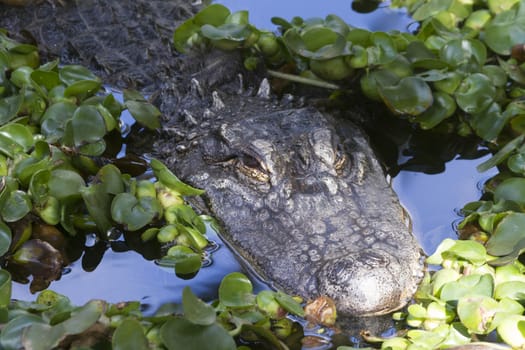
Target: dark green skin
300 195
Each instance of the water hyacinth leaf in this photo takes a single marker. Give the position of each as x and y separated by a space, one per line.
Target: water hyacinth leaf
45 78
8 147
468 250
464 52
181 334
514 290
11 336
236 291
215 15
507 235
512 331
111 178
289 304
134 213
265 334
98 204
501 155
430 9
442 108
167 178
511 189
88 126
141 110
195 310
17 204
489 122
505 30
5 241
19 134
39 259
477 313
65 184
129 335
411 96
71 74
38 186
83 88
54 120
185 261
475 93
229 31
468 285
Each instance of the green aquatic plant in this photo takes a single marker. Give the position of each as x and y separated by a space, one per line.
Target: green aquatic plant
55 124
461 71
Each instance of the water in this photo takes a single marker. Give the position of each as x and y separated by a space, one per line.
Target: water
432 200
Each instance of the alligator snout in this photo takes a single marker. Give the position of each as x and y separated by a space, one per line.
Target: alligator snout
366 282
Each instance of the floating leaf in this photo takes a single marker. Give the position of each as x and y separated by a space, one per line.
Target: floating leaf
215 14
411 95
16 205
72 74
195 310
134 213
5 240
477 313
179 333
185 261
142 111
507 235
129 335
468 285
166 177
65 184
236 290
475 93
54 120
505 30
11 336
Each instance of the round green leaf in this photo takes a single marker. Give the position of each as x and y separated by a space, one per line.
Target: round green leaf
88 126
134 213
468 285
129 335
47 79
5 238
185 260
507 235
411 95
71 74
443 107
16 206
83 88
19 134
236 290
505 30
5 289
65 184
475 93
179 333
195 310
477 312
11 336
54 120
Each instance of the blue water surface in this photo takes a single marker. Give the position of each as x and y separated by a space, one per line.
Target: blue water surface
432 200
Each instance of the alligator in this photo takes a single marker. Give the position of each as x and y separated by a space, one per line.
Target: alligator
297 189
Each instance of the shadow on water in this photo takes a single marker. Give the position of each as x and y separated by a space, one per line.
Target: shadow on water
434 175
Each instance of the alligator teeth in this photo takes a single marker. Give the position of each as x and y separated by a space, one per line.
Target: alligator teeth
217 103
196 88
264 90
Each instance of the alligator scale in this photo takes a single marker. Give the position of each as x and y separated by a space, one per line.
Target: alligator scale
299 193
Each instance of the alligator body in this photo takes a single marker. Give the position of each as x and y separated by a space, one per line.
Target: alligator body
300 195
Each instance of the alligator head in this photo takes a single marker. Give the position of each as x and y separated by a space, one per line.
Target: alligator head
300 195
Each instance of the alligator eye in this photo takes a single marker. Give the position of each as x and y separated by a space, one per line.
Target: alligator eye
252 167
